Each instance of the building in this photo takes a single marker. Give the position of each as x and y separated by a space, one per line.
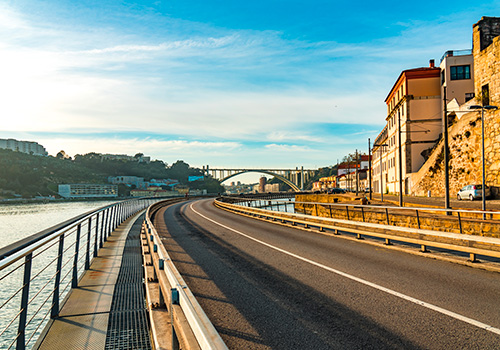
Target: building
138 182
28 147
88 191
413 125
380 176
457 76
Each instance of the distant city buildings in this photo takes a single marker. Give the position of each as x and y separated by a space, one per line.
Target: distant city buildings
88 191
28 147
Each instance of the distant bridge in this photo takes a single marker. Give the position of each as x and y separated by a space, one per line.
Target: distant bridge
295 178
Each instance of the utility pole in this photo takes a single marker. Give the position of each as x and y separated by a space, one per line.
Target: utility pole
369 169
356 173
400 162
446 153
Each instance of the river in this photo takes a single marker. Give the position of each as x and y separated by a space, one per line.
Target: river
18 221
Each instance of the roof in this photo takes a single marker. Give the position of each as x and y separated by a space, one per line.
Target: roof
415 73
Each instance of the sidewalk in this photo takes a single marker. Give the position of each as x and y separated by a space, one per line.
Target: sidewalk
491 204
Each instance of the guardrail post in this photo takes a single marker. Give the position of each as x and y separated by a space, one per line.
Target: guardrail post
347 211
418 219
174 301
74 281
472 257
459 222
423 248
21 338
387 215
87 253
363 214
388 241
54 312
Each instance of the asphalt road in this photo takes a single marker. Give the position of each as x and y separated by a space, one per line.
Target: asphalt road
267 286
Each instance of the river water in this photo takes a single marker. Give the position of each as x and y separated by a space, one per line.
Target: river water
18 221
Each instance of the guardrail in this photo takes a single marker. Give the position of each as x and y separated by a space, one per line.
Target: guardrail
190 327
471 244
39 271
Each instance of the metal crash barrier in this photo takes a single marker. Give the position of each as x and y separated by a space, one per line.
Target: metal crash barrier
355 221
177 320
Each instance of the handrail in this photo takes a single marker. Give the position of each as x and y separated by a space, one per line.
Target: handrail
472 244
69 249
443 210
205 333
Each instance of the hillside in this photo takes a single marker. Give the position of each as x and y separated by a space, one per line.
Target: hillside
29 175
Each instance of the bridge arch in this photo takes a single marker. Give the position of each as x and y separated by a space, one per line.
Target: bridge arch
280 177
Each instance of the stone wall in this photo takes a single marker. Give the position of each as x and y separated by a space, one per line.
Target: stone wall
465 160
426 220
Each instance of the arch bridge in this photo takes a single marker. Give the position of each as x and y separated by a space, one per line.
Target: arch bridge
295 178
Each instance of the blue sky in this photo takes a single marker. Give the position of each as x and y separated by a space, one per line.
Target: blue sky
225 83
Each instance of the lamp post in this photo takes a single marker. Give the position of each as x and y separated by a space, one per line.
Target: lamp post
380 169
482 108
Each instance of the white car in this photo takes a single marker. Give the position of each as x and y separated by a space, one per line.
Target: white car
472 192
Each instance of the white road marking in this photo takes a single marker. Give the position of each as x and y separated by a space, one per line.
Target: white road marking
360 280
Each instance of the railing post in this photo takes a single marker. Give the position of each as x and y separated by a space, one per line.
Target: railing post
54 312
418 219
74 281
387 215
21 334
347 211
87 252
105 223
96 234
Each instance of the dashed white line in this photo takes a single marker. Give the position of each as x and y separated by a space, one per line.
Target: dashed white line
360 280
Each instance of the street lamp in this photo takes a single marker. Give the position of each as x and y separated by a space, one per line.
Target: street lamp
380 168
482 108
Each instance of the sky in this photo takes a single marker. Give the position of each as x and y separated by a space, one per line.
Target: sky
250 84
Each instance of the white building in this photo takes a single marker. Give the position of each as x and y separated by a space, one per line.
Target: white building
88 191
29 147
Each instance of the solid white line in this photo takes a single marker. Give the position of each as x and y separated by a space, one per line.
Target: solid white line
360 280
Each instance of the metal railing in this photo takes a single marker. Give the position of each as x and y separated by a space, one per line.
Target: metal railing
176 298
382 222
39 271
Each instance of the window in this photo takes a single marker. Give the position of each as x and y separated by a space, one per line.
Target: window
460 72
469 96
485 95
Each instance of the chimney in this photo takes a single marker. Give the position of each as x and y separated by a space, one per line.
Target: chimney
431 63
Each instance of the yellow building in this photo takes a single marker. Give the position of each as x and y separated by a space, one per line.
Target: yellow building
413 128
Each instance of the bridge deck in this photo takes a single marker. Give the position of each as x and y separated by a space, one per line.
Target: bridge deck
106 311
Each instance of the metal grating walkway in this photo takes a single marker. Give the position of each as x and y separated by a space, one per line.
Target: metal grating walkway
107 310
128 326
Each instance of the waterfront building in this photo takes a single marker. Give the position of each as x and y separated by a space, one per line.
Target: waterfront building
138 182
28 147
88 191
413 125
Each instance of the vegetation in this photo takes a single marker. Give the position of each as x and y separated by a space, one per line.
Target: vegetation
29 175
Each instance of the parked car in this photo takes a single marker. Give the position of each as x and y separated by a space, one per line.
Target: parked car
472 192
336 190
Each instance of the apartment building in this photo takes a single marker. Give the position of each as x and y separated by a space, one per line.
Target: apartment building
28 147
88 191
413 126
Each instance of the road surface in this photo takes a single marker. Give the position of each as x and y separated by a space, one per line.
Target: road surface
268 286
